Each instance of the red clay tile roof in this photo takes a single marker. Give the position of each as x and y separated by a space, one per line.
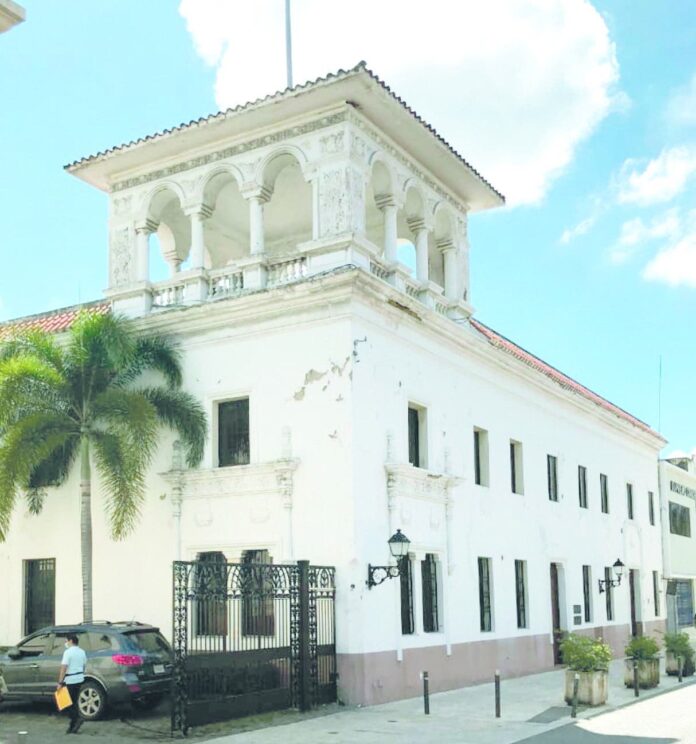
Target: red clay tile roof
273 97
567 383
53 322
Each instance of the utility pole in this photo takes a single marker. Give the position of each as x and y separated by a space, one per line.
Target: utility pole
288 42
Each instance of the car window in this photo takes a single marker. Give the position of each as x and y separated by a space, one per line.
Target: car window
149 640
34 646
101 642
58 642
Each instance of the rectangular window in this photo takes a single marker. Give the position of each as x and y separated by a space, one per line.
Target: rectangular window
516 468
656 593
521 593
417 451
608 591
651 507
485 607
233 432
39 594
211 589
429 579
629 500
552 476
481 457
679 520
582 486
586 592
406 581
604 492
258 616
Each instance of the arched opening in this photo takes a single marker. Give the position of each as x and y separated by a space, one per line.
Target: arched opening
226 231
379 188
170 243
288 215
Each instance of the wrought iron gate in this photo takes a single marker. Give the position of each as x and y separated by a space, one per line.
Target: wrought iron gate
250 637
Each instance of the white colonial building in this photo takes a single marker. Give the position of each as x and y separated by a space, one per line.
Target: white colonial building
678 503
317 252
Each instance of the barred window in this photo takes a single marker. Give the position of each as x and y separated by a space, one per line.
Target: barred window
258 618
211 584
233 432
480 457
586 593
521 593
429 578
651 507
656 592
406 580
485 607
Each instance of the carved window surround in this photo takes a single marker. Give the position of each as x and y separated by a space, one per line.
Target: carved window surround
405 480
275 477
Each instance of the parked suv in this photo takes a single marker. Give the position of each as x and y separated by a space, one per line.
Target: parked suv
127 662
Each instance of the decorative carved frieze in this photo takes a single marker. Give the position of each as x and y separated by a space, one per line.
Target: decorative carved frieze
341 201
332 143
121 257
418 483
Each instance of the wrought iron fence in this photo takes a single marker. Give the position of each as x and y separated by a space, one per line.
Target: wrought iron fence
250 637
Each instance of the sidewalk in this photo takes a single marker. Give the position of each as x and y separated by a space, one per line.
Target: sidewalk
530 706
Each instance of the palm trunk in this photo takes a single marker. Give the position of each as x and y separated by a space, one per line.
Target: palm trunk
86 528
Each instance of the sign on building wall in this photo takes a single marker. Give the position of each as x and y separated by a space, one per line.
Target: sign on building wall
682 489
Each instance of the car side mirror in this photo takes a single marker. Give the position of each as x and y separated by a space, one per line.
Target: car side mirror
14 653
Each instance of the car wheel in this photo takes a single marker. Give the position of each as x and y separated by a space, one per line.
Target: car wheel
147 703
91 702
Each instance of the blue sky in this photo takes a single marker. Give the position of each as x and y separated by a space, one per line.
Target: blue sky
584 115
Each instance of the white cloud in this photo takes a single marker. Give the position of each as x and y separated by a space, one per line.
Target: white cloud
660 180
675 265
515 85
636 233
581 228
681 107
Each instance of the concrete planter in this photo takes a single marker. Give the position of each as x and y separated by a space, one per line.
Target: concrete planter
672 666
648 673
593 687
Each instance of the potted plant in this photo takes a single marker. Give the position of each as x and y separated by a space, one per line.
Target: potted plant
644 651
678 649
589 658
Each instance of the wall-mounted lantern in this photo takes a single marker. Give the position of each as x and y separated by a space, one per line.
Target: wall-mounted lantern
618 572
398 547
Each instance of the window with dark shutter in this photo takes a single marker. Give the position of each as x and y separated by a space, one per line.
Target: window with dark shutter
552 476
258 617
406 579
431 622
609 593
604 493
413 437
651 507
211 583
582 486
629 500
520 592
477 457
656 592
233 432
587 598
485 613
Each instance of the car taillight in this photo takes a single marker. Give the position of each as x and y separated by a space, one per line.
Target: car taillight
127 659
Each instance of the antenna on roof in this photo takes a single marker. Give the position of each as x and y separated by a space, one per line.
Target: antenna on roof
659 396
288 43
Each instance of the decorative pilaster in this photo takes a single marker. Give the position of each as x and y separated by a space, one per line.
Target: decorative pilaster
142 238
197 215
390 211
421 232
257 198
449 254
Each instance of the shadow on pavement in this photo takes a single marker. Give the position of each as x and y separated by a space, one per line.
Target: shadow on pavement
572 734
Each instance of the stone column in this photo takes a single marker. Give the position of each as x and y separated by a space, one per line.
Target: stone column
449 253
257 199
142 233
390 211
198 215
421 233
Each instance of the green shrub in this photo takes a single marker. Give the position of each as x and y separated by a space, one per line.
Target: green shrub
583 654
679 645
642 648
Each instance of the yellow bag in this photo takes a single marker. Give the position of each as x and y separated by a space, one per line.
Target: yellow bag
63 699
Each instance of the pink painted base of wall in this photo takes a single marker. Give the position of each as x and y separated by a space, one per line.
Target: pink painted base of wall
370 679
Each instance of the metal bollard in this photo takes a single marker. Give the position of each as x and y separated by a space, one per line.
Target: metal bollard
426 694
497 693
636 686
679 662
576 684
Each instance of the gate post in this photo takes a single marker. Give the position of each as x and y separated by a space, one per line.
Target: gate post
305 681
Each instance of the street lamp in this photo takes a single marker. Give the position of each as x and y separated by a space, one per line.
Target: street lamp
398 546
618 570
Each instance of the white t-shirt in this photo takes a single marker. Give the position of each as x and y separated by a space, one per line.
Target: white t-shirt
75 659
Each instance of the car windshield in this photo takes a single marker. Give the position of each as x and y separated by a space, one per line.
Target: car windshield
149 640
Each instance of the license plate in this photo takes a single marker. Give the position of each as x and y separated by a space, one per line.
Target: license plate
158 668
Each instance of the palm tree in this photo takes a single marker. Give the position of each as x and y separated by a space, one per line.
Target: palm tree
99 398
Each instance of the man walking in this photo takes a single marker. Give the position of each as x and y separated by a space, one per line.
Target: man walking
72 675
